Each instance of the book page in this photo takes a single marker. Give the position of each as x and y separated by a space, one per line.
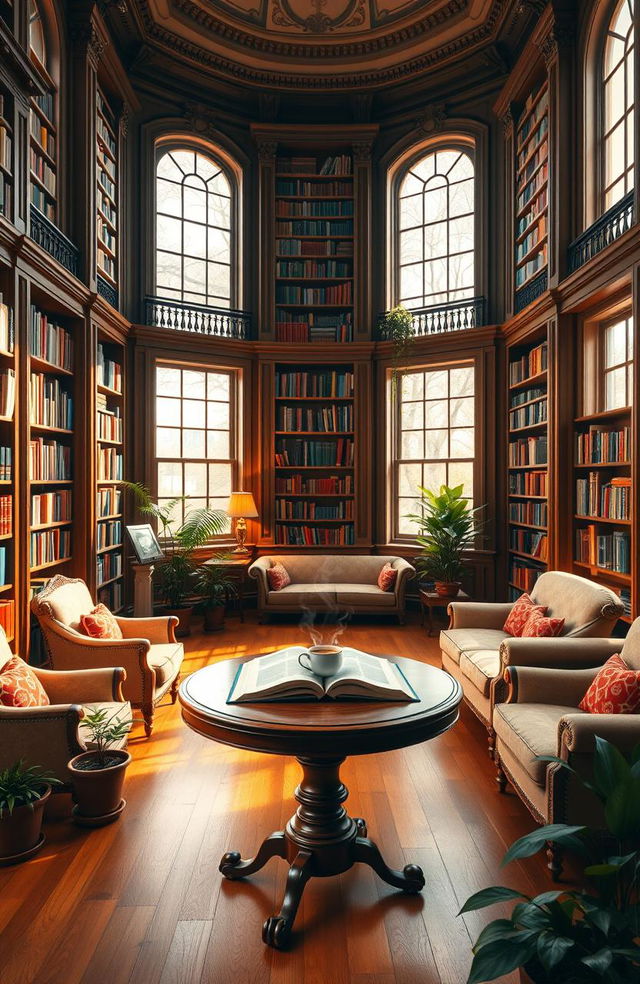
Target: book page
275 673
364 674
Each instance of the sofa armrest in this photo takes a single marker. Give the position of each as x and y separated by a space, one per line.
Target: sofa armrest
557 652
405 572
43 736
539 685
82 686
577 732
258 570
478 615
157 629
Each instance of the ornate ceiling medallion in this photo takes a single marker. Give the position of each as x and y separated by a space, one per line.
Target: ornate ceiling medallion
318 16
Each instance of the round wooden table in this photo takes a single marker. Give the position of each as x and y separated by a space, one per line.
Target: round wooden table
320 839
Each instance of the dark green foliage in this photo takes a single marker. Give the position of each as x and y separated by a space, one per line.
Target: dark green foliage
22 786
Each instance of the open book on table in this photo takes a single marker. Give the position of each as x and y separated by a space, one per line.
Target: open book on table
279 676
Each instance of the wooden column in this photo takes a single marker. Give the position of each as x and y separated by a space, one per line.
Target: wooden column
266 237
363 253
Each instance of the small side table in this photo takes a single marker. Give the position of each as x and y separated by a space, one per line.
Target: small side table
431 599
236 567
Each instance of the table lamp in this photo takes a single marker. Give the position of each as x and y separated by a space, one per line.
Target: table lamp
241 507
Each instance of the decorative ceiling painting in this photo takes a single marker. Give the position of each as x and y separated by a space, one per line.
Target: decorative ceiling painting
320 16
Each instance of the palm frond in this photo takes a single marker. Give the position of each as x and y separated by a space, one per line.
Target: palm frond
199 526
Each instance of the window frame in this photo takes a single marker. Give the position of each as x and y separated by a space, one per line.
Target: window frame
627 364
632 112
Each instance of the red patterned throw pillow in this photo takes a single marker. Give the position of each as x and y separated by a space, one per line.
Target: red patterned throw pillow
520 614
614 690
387 577
100 624
542 627
278 577
20 687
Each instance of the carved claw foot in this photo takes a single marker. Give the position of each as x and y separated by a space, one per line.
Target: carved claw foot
228 863
232 866
361 825
415 878
410 879
277 929
276 932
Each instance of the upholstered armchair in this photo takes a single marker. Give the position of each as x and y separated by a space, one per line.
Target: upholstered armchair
540 716
476 649
148 650
50 736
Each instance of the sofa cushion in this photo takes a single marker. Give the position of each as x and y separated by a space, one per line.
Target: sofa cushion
520 614
331 568
66 600
118 710
363 594
20 687
303 594
99 623
541 627
456 641
529 730
166 659
480 667
278 577
614 690
387 578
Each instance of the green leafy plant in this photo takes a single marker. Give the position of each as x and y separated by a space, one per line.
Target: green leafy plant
575 937
22 785
396 326
213 585
104 731
180 540
448 526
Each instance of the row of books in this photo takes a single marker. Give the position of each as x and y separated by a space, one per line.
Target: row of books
48 546
6 463
313 209
3 566
50 341
106 263
330 383
7 393
42 202
109 372
5 194
111 596
529 542
105 135
532 266
294 509
7 335
43 171
535 159
108 565
109 534
109 425
523 574
107 208
598 446
51 507
312 269
609 500
109 502
528 483
110 465
314 536
530 364
107 165
333 419
49 461
608 551
540 111
8 617
536 207
303 331
313 189
50 402
527 395
310 165
6 515
107 235
43 135
297 485
531 186
533 413
309 247
625 598
531 239
106 185
45 102
531 513
314 454
528 451
315 227
336 294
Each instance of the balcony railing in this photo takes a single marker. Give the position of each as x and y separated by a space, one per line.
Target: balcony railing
196 318
46 234
108 291
440 318
531 291
609 227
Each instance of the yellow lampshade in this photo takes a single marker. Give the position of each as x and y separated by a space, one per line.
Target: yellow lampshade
241 505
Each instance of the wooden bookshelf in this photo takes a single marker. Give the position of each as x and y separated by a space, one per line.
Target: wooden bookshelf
527 462
6 153
110 412
42 154
106 191
531 187
8 557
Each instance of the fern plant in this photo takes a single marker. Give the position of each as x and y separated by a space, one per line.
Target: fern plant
180 539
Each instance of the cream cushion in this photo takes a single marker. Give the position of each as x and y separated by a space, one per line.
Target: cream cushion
69 603
332 569
466 640
363 594
481 666
529 730
165 658
630 651
304 594
583 604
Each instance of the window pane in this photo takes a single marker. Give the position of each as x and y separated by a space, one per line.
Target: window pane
436 384
435 414
461 412
168 439
615 344
461 473
193 413
195 479
412 416
435 475
617 82
194 384
462 443
411 249
167 411
217 444
461 381
169 233
412 445
436 444
169 479
218 416
217 386
409 478
412 387
411 211
220 480
615 389
168 381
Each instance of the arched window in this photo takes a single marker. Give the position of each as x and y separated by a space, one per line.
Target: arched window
435 229
617 105
194 229
43 50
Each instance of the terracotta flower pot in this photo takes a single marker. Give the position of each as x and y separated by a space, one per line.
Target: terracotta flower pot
214 619
21 831
447 589
98 792
183 628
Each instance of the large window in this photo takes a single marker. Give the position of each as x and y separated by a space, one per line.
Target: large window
194 229
435 230
617 112
195 436
434 436
617 362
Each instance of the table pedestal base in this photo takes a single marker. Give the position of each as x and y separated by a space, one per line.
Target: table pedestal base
319 840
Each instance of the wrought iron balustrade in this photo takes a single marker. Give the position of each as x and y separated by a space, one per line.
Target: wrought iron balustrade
440 318
610 226
532 290
46 234
108 291
197 318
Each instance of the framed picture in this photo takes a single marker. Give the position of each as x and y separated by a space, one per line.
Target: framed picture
145 543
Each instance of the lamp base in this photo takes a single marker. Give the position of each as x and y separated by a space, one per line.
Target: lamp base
241 550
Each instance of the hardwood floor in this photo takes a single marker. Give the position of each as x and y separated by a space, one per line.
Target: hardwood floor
141 901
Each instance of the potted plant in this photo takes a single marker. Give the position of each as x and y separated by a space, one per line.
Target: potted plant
396 326
448 526
180 542
24 792
575 937
98 774
214 586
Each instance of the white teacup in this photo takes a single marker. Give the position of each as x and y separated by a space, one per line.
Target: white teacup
322 660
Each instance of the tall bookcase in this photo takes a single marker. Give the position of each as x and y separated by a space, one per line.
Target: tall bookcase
528 462
42 166
106 194
7 461
109 472
531 189
314 237
6 154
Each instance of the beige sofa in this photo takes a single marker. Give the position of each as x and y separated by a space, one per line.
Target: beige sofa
344 581
541 717
148 652
476 650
